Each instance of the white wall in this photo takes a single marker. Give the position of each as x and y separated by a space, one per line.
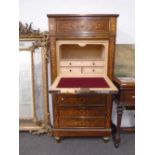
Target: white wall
36 10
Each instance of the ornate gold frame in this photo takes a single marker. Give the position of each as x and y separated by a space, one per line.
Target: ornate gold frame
26 33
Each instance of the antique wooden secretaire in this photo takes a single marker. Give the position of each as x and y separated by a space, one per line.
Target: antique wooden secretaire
82 49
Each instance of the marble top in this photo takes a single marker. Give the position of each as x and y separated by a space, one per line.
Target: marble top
126 79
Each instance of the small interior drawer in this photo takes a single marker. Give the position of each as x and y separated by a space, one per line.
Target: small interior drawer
82 122
93 63
64 70
70 63
91 70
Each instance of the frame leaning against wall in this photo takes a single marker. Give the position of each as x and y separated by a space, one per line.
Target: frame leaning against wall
39 40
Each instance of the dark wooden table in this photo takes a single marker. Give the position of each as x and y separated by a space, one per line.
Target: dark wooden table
124 99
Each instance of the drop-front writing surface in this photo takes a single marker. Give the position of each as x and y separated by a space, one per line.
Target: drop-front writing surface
93 83
82 56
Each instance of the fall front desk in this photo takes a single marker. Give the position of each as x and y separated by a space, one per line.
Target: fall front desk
82 51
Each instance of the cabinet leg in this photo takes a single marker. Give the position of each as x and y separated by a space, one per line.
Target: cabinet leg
117 138
116 145
106 139
58 139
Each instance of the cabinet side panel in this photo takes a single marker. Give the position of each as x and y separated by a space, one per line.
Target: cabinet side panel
53 58
111 56
55 111
108 112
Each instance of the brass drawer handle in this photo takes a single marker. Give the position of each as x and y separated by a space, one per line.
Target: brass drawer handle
133 96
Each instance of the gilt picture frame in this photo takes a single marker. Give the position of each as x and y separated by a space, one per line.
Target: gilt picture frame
34 92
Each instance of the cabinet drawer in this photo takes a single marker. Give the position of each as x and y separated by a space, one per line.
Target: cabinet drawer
93 70
64 70
93 63
81 122
128 97
95 111
84 100
81 24
70 63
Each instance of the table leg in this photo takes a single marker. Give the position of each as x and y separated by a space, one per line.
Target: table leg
117 138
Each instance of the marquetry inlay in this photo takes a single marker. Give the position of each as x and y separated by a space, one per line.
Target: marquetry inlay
82 25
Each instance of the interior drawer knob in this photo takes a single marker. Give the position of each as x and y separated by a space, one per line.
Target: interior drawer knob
70 70
93 70
70 63
133 96
93 63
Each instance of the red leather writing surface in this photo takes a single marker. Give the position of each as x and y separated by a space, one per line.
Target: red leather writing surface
89 82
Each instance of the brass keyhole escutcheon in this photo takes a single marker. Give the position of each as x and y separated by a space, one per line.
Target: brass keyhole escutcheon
82 26
81 112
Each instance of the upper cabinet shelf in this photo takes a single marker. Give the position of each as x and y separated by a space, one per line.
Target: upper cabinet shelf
84 52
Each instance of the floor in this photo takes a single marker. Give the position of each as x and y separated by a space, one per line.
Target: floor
44 145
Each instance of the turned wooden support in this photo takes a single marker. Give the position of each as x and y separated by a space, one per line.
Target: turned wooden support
117 138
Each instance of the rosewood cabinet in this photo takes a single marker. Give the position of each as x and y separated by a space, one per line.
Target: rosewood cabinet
82 51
